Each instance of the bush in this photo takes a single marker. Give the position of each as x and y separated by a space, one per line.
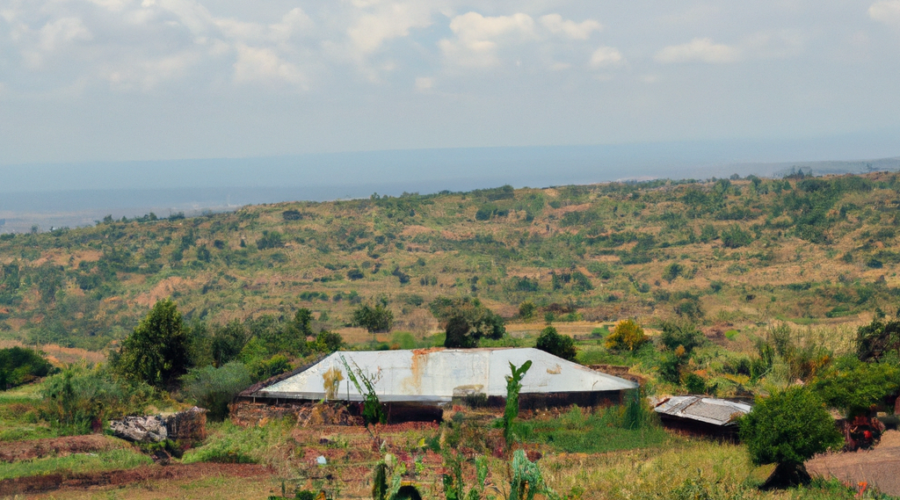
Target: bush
214 388
80 399
466 321
558 345
627 335
735 237
788 428
19 366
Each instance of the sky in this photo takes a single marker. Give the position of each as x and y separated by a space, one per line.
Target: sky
136 80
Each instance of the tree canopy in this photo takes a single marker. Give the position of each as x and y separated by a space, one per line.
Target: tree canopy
157 351
789 428
466 321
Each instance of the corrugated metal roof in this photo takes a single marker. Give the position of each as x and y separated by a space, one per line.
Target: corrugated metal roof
438 375
709 410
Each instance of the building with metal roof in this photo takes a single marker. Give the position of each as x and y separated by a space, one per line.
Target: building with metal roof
436 377
702 415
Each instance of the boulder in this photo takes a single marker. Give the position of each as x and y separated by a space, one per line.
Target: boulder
146 429
189 425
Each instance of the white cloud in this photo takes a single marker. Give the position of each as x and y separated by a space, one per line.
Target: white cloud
606 57
886 11
568 28
424 83
62 32
260 65
698 50
478 37
371 30
146 75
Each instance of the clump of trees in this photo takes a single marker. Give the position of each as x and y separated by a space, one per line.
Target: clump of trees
466 321
551 341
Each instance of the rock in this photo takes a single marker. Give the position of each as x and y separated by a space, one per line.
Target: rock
188 425
147 429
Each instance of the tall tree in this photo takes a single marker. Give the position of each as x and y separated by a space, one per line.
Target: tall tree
157 351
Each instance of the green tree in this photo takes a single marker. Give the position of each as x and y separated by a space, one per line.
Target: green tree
466 321
558 345
627 335
788 428
876 339
856 387
227 342
302 320
375 319
681 334
673 271
157 351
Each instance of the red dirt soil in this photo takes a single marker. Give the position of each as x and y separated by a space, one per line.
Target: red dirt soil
26 450
50 482
878 467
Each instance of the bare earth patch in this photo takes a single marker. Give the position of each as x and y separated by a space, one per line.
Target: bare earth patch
878 467
52 482
37 448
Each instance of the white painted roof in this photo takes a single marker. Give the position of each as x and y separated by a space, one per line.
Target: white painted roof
437 375
709 410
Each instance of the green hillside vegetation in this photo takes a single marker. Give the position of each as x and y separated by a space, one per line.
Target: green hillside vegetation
732 254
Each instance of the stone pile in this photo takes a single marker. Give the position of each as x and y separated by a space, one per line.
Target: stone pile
189 425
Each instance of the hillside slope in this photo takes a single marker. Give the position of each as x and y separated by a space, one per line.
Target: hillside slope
737 252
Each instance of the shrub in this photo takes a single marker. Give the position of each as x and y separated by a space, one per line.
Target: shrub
627 335
328 342
673 271
735 237
80 399
788 428
551 341
270 239
214 388
527 310
19 366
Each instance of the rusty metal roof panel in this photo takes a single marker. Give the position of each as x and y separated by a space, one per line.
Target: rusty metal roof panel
712 411
438 375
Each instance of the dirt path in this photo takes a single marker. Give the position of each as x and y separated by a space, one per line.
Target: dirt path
26 450
878 467
51 482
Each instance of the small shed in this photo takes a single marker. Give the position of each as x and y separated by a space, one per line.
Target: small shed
702 416
405 380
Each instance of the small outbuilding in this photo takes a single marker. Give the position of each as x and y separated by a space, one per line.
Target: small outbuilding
702 416
417 384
